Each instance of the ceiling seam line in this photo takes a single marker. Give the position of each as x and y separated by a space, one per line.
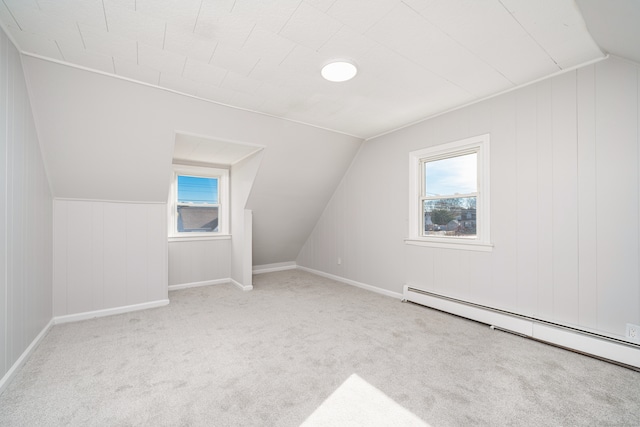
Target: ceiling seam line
195 24
333 3
84 45
104 11
289 18
224 78
530 36
12 15
430 71
248 35
254 67
455 40
422 66
287 55
330 37
213 53
373 24
60 50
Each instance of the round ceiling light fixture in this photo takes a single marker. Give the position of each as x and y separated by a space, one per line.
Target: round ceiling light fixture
339 71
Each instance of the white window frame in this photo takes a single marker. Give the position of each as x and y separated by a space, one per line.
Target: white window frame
482 242
223 202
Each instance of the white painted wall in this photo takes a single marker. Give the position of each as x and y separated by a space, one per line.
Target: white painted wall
199 261
296 179
108 255
243 176
25 217
564 205
105 138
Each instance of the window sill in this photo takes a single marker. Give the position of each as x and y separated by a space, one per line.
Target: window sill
198 238
449 244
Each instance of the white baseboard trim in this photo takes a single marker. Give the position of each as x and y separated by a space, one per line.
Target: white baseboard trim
353 283
611 350
108 311
6 379
197 284
278 266
241 286
556 334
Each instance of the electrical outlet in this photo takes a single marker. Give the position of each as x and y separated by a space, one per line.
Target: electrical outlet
633 332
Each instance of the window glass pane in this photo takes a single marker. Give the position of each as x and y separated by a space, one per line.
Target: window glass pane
197 219
194 189
450 217
455 175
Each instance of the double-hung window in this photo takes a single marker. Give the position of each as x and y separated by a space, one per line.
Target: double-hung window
449 195
199 202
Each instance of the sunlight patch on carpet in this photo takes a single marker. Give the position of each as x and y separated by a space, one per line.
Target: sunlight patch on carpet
358 403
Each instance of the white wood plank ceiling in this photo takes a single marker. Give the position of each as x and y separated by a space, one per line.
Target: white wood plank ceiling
416 58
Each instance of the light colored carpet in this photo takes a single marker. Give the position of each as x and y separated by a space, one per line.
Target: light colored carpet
304 349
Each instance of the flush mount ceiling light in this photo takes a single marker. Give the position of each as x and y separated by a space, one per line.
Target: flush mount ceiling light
339 71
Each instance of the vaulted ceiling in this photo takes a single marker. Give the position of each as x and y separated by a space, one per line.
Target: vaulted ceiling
416 58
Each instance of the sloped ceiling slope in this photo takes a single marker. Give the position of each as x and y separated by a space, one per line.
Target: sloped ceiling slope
615 26
416 58
106 138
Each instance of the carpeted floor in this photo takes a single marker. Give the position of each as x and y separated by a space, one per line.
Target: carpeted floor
304 349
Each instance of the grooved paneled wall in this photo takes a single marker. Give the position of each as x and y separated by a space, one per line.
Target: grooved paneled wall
25 217
108 255
564 205
199 261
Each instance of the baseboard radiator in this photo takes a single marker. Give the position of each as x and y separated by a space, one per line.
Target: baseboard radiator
590 343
